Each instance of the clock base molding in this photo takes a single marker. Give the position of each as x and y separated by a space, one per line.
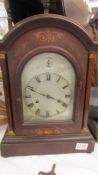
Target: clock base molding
22 146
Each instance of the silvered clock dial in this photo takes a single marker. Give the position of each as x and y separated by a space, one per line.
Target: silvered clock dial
48 83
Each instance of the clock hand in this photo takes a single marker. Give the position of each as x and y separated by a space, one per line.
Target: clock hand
48 96
31 88
59 101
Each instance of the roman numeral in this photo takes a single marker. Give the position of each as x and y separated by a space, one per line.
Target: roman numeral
47 114
30 105
48 76
31 88
57 111
37 79
37 111
67 95
58 79
28 96
65 86
64 105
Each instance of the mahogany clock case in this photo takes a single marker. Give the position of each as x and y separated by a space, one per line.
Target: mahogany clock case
37 35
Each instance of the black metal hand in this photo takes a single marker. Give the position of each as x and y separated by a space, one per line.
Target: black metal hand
32 89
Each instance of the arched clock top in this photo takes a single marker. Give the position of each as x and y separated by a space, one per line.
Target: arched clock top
48 21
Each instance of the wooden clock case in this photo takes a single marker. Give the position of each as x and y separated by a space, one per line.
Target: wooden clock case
34 35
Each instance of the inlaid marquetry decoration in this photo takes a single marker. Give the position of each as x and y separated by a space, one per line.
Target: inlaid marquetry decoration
49 36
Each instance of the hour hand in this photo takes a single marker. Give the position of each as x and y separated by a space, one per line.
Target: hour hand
49 97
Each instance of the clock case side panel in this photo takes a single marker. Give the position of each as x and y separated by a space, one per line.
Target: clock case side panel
91 56
5 79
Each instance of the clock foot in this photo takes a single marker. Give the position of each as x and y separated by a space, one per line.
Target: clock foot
73 143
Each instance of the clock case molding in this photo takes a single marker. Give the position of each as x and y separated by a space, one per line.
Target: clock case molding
31 36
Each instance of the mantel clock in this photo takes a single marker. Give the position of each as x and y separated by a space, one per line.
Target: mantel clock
47 68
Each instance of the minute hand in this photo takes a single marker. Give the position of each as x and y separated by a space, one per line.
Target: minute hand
32 89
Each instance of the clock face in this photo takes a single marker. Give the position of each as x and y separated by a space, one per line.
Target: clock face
48 86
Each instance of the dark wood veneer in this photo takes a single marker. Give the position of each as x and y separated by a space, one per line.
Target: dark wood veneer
38 34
